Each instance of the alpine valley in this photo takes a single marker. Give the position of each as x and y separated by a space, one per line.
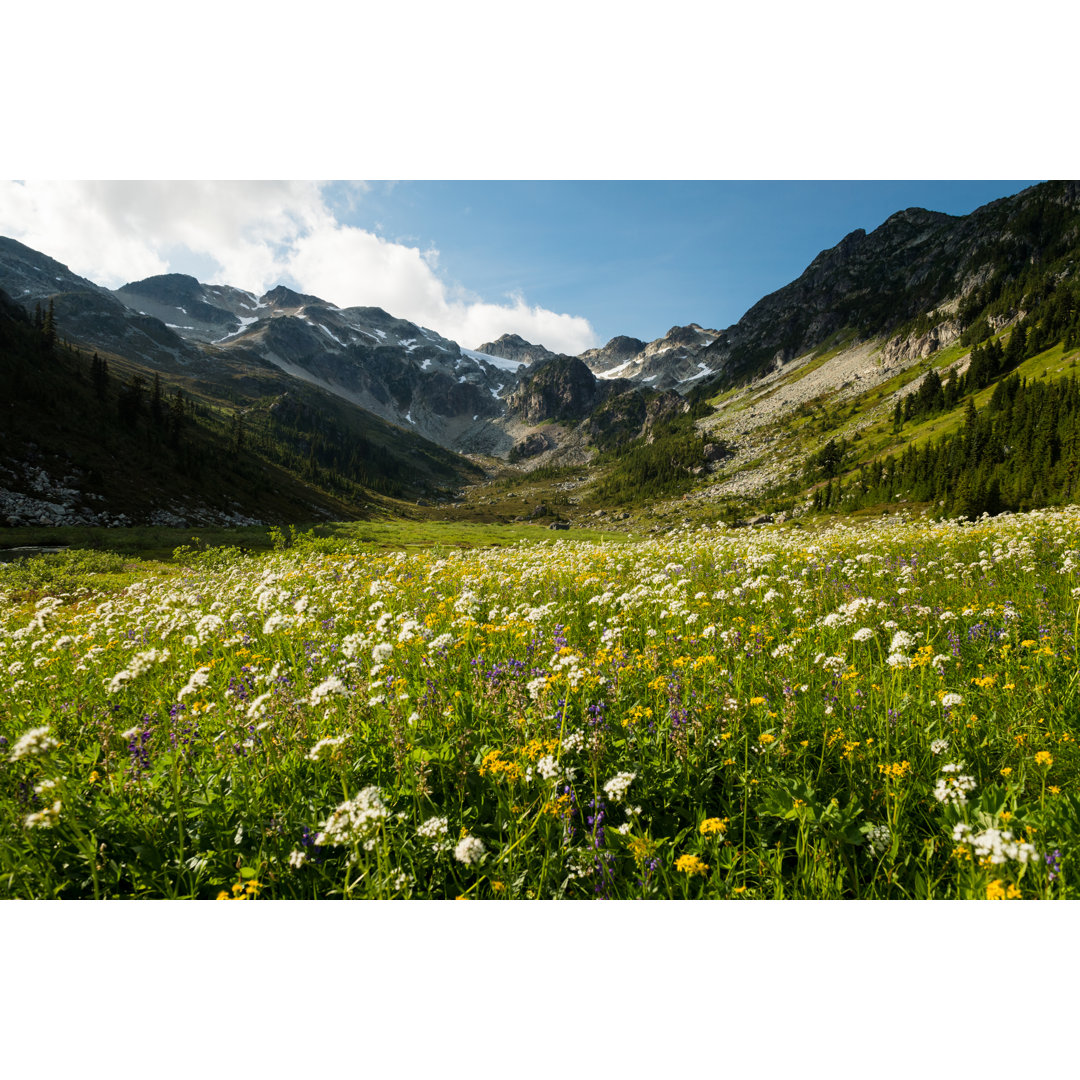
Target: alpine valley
929 363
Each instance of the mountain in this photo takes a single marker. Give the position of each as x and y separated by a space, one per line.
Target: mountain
918 308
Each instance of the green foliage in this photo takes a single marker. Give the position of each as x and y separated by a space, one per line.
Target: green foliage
1020 452
647 470
62 571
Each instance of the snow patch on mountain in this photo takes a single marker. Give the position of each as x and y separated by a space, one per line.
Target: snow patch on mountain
494 361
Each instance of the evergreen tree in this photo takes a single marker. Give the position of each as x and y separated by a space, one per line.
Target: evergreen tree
157 408
48 332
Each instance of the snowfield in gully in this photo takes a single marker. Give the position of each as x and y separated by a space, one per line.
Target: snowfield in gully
877 711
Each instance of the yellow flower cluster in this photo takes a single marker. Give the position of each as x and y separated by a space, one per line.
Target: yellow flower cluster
997 890
691 865
241 890
711 826
896 771
494 765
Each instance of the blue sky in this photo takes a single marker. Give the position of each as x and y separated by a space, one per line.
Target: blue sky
638 257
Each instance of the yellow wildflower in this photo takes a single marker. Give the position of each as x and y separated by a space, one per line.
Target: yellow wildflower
1044 758
691 865
896 771
712 825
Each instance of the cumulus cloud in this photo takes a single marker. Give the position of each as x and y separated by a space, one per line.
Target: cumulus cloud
255 235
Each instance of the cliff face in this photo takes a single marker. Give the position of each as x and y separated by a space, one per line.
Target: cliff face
559 389
916 263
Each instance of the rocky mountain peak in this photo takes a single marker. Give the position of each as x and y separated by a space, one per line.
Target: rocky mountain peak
515 347
168 288
282 297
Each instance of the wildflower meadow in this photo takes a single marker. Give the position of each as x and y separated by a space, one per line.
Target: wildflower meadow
881 710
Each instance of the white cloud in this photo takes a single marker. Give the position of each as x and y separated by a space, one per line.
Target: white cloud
256 234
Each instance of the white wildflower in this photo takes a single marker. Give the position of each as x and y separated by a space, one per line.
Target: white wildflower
548 767
33 743
257 707
276 622
952 788
574 741
470 850
617 786
435 830
879 839
322 748
325 689
199 678
355 821
44 819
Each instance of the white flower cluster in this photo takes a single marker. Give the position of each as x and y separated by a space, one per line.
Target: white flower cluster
470 850
574 741
580 863
355 821
33 743
879 839
536 687
939 746
997 845
953 786
435 830
44 819
199 678
548 767
382 652
140 662
322 748
950 701
567 663
325 689
864 633
208 625
277 621
616 787
257 708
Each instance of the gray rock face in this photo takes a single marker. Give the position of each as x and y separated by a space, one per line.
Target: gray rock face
530 446
559 389
28 276
514 347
